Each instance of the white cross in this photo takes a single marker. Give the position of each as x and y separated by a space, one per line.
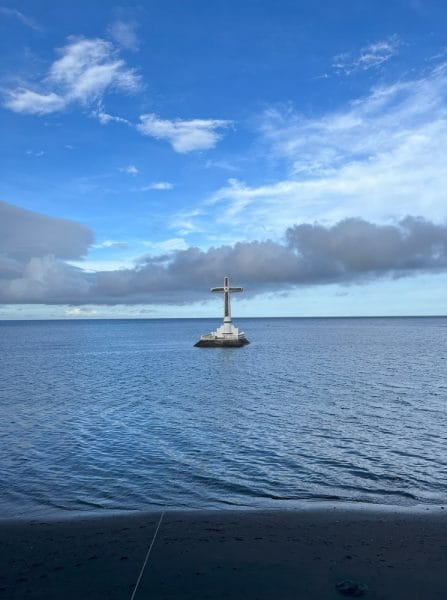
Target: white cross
227 290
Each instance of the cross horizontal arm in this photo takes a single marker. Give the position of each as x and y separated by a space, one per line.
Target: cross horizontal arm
238 289
217 289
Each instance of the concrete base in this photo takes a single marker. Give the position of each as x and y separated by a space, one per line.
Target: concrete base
225 335
215 342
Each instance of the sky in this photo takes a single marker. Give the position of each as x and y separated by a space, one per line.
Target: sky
148 149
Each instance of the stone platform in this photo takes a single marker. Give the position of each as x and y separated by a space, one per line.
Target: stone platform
210 341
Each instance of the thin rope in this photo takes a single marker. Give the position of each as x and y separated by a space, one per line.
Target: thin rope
147 557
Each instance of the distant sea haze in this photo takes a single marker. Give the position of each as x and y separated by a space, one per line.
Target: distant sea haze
128 415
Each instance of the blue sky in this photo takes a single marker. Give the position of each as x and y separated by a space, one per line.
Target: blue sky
167 126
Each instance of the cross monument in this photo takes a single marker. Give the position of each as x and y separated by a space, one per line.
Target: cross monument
227 334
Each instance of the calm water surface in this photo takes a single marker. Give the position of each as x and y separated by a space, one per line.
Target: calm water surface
127 415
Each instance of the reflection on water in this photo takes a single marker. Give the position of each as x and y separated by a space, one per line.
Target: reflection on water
128 415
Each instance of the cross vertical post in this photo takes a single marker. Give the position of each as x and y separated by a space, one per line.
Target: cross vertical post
227 290
227 307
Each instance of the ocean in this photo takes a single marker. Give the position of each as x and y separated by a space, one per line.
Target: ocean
119 415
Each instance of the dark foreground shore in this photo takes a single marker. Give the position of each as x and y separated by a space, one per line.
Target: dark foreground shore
314 553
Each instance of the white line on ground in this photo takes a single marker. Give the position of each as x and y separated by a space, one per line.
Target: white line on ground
147 557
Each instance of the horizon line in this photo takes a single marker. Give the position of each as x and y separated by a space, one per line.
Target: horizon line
74 319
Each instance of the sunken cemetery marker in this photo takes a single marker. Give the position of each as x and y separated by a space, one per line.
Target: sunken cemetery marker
227 334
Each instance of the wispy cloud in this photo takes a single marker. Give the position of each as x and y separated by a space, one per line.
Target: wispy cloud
158 185
169 245
124 33
185 222
36 153
130 170
80 311
369 57
111 244
89 265
105 118
184 135
221 164
84 71
16 14
379 157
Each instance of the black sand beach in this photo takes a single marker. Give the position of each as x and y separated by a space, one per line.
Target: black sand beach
312 553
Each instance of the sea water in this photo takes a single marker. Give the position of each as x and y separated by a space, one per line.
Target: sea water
111 415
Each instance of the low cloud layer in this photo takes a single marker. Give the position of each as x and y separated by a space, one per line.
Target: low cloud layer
26 234
34 249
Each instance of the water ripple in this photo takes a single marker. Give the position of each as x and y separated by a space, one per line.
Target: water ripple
127 415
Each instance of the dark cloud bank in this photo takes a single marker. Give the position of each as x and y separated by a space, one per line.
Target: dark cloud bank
34 247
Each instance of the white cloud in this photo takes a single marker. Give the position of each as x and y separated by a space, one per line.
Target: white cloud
26 101
186 221
221 164
110 244
184 136
169 245
36 153
124 34
85 70
383 121
105 118
381 157
88 66
158 185
369 57
80 311
130 170
90 265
